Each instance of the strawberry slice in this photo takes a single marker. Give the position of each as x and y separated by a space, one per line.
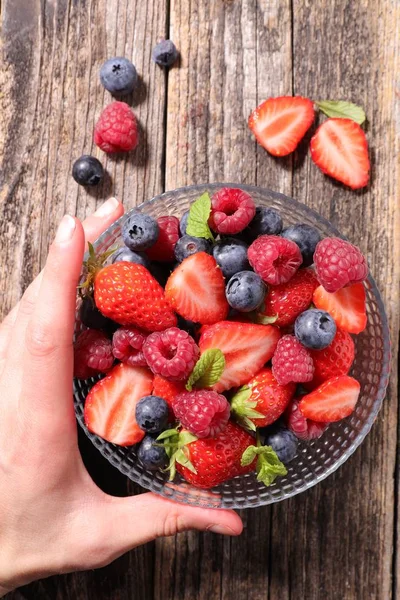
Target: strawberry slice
246 347
332 401
196 289
347 306
340 149
280 123
110 404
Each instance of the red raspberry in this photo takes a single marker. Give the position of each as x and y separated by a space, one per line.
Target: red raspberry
204 412
292 362
92 354
304 429
232 210
116 130
127 346
274 258
163 249
171 353
338 264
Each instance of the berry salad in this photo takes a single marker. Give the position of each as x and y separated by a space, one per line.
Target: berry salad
223 338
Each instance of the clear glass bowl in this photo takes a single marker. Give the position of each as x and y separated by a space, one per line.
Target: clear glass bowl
315 460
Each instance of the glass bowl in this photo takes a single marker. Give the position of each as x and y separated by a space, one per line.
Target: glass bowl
315 460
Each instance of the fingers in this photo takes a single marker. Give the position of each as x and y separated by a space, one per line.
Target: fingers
104 216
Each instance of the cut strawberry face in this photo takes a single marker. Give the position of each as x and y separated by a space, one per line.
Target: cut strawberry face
279 124
340 149
347 306
332 401
246 348
110 404
196 290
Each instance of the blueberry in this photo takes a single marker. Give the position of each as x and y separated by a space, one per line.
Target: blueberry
306 237
315 329
118 75
188 245
151 455
140 232
91 317
165 53
126 255
152 414
283 441
87 170
231 256
183 222
245 291
266 221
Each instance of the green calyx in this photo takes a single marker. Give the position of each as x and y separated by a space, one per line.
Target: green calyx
243 406
268 466
91 266
199 213
175 443
208 370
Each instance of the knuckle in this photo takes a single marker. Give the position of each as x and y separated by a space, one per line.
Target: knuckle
40 340
172 524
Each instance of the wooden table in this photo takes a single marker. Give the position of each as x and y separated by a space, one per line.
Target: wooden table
340 539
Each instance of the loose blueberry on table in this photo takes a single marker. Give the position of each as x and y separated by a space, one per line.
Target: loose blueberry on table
206 391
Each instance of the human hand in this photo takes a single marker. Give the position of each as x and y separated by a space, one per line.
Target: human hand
53 518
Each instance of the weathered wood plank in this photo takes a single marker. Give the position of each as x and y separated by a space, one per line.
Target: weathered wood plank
50 99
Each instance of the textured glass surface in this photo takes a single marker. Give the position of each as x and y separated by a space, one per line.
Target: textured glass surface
315 460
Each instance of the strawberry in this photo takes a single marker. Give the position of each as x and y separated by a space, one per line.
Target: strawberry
110 404
347 306
262 400
216 460
246 347
196 289
168 390
288 300
332 401
280 123
340 149
334 360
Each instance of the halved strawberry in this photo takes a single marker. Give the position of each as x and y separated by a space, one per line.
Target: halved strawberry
332 401
347 306
246 347
340 149
196 289
280 123
110 404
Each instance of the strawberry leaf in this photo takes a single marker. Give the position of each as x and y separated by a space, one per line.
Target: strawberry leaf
243 408
208 369
266 319
197 225
182 459
175 443
167 434
268 467
342 109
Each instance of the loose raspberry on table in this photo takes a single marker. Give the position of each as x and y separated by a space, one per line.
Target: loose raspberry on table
171 353
92 354
116 130
338 264
274 258
292 362
204 412
232 210
168 235
127 346
304 429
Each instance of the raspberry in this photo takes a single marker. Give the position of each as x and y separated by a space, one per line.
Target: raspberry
232 210
338 264
304 429
116 130
204 412
127 346
292 362
274 258
168 235
92 354
171 353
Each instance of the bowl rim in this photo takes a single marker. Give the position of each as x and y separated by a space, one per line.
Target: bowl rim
386 353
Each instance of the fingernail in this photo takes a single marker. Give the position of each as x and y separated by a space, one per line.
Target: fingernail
65 229
222 529
107 208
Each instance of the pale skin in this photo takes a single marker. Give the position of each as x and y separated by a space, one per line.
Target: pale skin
53 518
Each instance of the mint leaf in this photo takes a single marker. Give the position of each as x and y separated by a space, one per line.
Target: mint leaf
342 110
208 369
248 456
197 225
268 467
